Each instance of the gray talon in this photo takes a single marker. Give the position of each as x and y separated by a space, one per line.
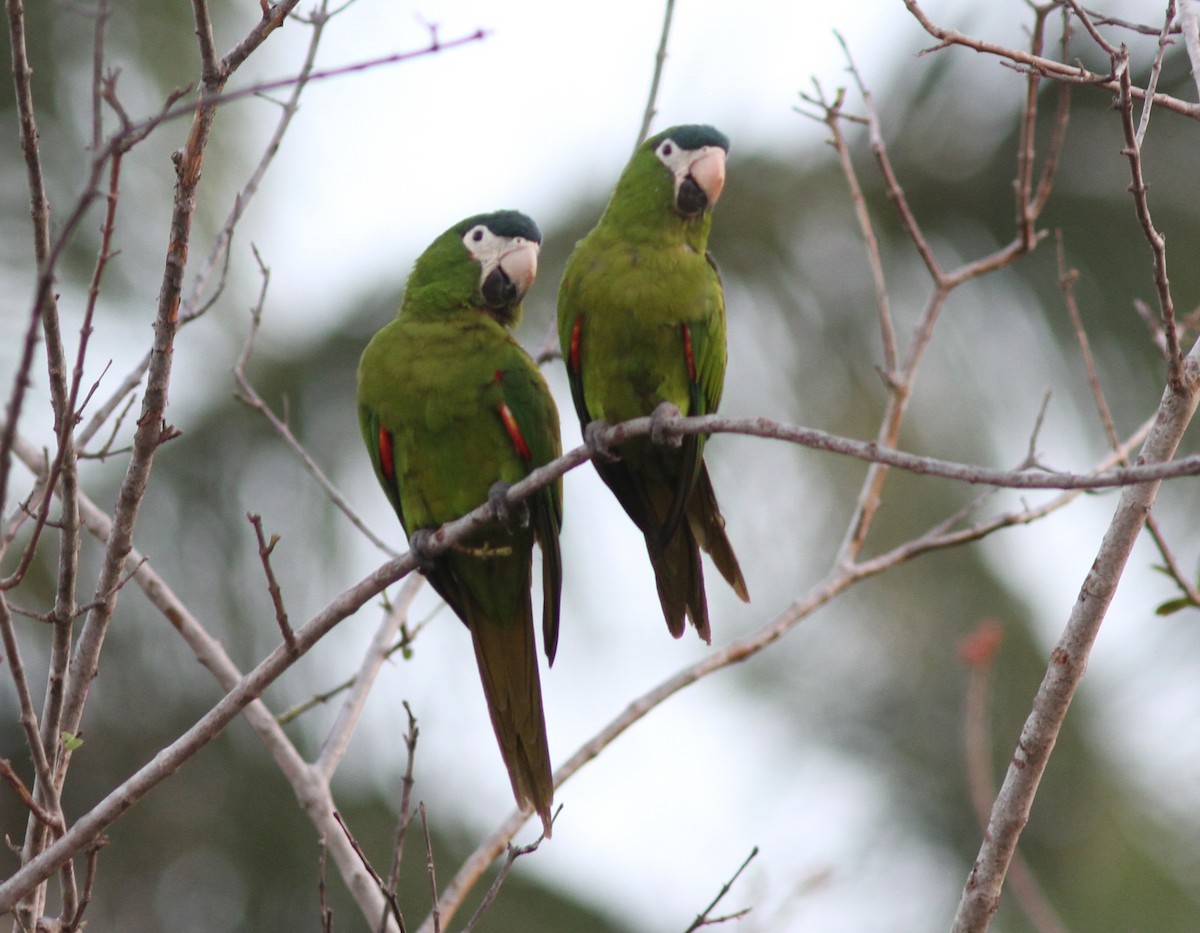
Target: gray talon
421 544
592 436
510 515
660 431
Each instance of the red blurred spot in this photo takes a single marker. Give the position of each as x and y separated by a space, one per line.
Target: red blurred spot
979 648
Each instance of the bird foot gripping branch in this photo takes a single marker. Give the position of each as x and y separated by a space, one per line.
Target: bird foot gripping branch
594 436
511 515
422 547
662 430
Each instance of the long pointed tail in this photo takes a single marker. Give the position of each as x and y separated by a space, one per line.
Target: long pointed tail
677 568
507 658
708 526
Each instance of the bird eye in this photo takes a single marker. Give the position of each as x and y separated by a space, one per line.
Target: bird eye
477 236
666 149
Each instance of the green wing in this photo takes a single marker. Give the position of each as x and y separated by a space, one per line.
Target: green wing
536 441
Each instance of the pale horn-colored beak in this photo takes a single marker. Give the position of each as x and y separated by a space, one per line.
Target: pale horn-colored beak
519 264
707 169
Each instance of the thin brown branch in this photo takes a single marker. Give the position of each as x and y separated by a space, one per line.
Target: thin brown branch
265 548
1092 30
28 717
978 652
1025 144
1158 243
249 395
832 116
1066 280
325 911
177 110
402 821
192 307
901 378
1058 132
39 812
1048 67
489 898
703 919
895 192
1156 71
660 59
381 648
89 883
435 913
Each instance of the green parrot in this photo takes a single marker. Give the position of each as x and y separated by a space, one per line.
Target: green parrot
452 411
641 320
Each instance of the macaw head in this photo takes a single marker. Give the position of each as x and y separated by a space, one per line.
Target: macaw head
694 155
487 262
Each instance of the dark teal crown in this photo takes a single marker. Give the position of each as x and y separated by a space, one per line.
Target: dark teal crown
504 223
691 136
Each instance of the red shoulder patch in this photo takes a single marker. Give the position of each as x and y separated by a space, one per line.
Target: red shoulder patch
514 433
573 348
687 351
387 460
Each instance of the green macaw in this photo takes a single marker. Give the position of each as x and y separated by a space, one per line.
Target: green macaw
450 406
641 319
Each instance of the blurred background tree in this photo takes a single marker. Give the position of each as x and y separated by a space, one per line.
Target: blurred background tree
841 750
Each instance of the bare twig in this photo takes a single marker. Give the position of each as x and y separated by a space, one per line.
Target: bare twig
435 914
402 821
1066 280
317 699
978 651
249 395
660 59
1158 243
1189 22
89 883
264 553
514 853
1048 67
703 919
832 116
334 746
39 812
325 911
192 307
1155 72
